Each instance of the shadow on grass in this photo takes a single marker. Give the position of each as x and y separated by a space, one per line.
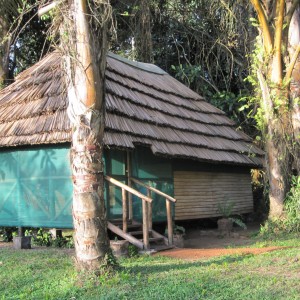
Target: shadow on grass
160 266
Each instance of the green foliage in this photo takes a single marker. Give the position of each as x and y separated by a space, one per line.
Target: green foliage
252 102
190 75
203 44
133 251
238 222
292 206
7 233
225 209
42 238
290 222
176 230
224 100
109 264
63 242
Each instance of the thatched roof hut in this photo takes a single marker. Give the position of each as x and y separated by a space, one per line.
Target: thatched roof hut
198 156
144 106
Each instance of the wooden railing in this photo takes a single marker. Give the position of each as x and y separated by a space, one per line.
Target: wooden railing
148 217
145 201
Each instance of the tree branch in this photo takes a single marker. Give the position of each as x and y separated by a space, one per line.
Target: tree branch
266 102
292 64
263 25
46 8
277 63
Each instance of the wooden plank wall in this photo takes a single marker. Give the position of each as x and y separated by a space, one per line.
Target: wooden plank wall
198 193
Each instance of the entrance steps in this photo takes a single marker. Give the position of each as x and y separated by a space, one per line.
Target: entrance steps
134 235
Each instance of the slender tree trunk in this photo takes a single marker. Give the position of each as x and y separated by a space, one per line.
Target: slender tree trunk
143 33
293 44
86 111
4 50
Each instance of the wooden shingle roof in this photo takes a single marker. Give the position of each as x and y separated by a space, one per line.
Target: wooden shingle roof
144 105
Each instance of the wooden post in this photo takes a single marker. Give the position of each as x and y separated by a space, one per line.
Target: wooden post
130 208
170 223
125 210
149 210
20 231
145 225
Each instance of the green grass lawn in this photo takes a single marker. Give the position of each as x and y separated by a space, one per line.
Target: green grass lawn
49 274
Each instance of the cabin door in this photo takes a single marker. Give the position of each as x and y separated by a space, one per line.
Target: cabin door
116 167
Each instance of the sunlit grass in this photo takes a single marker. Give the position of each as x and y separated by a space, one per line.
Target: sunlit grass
49 274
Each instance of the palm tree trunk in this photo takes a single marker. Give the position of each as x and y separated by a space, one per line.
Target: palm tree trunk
86 111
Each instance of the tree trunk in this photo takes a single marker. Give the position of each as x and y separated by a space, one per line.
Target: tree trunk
143 33
293 43
89 215
275 148
86 110
4 51
276 152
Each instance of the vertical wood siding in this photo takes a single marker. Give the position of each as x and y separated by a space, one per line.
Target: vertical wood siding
199 193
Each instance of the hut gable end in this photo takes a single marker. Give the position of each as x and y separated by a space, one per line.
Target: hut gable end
144 106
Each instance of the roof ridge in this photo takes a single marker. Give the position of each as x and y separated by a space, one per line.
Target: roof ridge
148 67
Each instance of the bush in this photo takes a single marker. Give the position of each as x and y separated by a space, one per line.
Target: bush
7 233
133 251
292 206
44 238
290 223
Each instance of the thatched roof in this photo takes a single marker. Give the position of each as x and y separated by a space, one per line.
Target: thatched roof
144 105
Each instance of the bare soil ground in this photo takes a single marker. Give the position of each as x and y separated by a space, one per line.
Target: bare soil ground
201 244
195 254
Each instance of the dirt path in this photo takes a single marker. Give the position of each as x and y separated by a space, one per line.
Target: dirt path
195 254
201 244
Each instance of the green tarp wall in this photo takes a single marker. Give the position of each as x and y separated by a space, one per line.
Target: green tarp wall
36 187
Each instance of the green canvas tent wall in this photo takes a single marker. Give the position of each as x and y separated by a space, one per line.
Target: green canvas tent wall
169 136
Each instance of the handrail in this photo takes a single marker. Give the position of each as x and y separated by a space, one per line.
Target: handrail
146 202
154 190
169 199
128 189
